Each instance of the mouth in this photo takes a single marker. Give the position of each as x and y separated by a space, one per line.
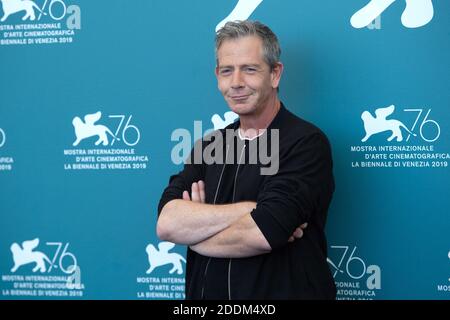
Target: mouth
240 97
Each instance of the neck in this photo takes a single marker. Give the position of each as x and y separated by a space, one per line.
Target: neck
254 125
258 122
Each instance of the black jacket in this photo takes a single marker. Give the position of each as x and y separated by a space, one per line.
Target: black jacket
299 192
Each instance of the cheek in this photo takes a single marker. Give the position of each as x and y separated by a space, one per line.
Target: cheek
222 85
257 83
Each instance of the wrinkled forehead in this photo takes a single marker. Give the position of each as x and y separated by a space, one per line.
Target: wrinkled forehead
248 48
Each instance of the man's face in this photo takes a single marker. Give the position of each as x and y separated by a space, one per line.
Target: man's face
244 78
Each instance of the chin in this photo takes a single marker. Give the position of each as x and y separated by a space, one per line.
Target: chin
242 109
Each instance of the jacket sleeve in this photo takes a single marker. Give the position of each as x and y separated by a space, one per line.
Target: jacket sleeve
182 181
303 184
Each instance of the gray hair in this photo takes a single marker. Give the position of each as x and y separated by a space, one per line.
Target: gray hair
237 29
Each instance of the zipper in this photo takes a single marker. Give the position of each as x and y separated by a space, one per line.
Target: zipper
214 202
232 201
229 280
204 278
237 171
221 175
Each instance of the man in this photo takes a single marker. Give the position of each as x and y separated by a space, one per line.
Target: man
242 225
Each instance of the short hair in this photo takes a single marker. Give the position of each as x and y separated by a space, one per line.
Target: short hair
238 29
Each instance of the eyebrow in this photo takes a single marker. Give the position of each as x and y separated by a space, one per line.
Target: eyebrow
241 66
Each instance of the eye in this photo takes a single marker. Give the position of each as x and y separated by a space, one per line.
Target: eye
225 71
250 69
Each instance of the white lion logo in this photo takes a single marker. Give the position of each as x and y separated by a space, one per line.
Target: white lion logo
417 13
26 255
161 257
87 129
380 124
219 123
13 6
242 10
449 258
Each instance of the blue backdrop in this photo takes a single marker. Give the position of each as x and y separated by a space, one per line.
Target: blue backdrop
91 92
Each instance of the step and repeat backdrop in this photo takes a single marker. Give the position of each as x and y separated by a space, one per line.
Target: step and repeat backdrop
102 100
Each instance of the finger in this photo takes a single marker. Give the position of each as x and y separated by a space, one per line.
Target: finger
303 226
291 239
186 195
201 188
195 193
298 233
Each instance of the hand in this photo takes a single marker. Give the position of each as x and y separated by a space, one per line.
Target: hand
197 192
298 233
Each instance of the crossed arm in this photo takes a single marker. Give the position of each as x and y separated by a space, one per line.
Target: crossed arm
226 231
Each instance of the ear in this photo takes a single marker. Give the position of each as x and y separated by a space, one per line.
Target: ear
275 75
216 72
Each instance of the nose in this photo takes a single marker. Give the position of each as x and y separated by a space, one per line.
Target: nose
237 80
